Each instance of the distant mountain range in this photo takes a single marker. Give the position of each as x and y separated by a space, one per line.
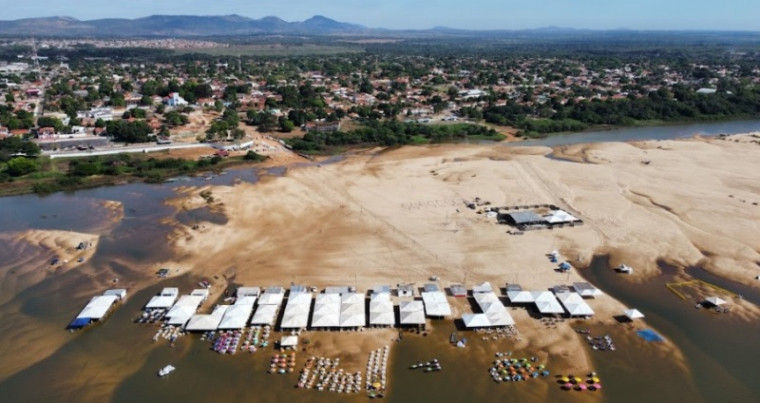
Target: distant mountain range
173 26
233 25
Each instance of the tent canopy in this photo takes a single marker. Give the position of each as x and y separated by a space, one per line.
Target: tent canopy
269 298
248 292
483 287
633 314
289 341
184 309
98 307
586 289
202 323
475 320
436 303
236 316
547 303
265 315
717 301
520 297
297 311
412 313
574 304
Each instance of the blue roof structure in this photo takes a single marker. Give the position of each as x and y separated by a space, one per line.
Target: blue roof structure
79 323
649 335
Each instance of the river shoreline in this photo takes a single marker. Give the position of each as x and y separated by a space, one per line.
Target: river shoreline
608 134
387 218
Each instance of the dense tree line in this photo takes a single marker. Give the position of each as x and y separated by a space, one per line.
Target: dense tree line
680 103
391 133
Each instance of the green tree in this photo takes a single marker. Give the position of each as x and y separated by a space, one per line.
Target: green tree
287 125
20 166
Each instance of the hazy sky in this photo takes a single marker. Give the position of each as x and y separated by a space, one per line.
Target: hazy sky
420 14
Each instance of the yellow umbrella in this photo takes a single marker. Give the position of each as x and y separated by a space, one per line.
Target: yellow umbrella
578 379
565 379
595 379
377 385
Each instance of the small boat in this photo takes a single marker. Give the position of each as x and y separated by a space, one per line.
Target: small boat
453 338
166 370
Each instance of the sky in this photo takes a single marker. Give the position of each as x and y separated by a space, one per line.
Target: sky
423 14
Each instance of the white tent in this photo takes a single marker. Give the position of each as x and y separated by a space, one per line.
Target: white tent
381 310
633 314
520 297
296 314
325 320
586 290
352 310
119 292
165 300
547 303
203 323
493 309
184 309
271 298
715 301
475 320
248 292
202 292
574 304
352 298
247 300
98 306
264 315
382 318
412 313
436 303
289 341
326 311
352 320
352 315
483 287
484 297
236 316
559 216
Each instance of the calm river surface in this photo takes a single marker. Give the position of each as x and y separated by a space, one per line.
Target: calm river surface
118 359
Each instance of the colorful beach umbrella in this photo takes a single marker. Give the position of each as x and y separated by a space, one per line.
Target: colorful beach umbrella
568 386
595 379
596 386
565 379
581 387
577 379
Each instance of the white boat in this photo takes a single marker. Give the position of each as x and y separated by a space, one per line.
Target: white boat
623 268
166 370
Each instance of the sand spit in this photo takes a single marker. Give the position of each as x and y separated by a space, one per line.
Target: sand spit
399 216
67 246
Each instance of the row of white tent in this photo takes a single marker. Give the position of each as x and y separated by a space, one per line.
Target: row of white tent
331 310
347 309
550 304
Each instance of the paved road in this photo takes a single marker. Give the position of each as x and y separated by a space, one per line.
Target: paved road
130 149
